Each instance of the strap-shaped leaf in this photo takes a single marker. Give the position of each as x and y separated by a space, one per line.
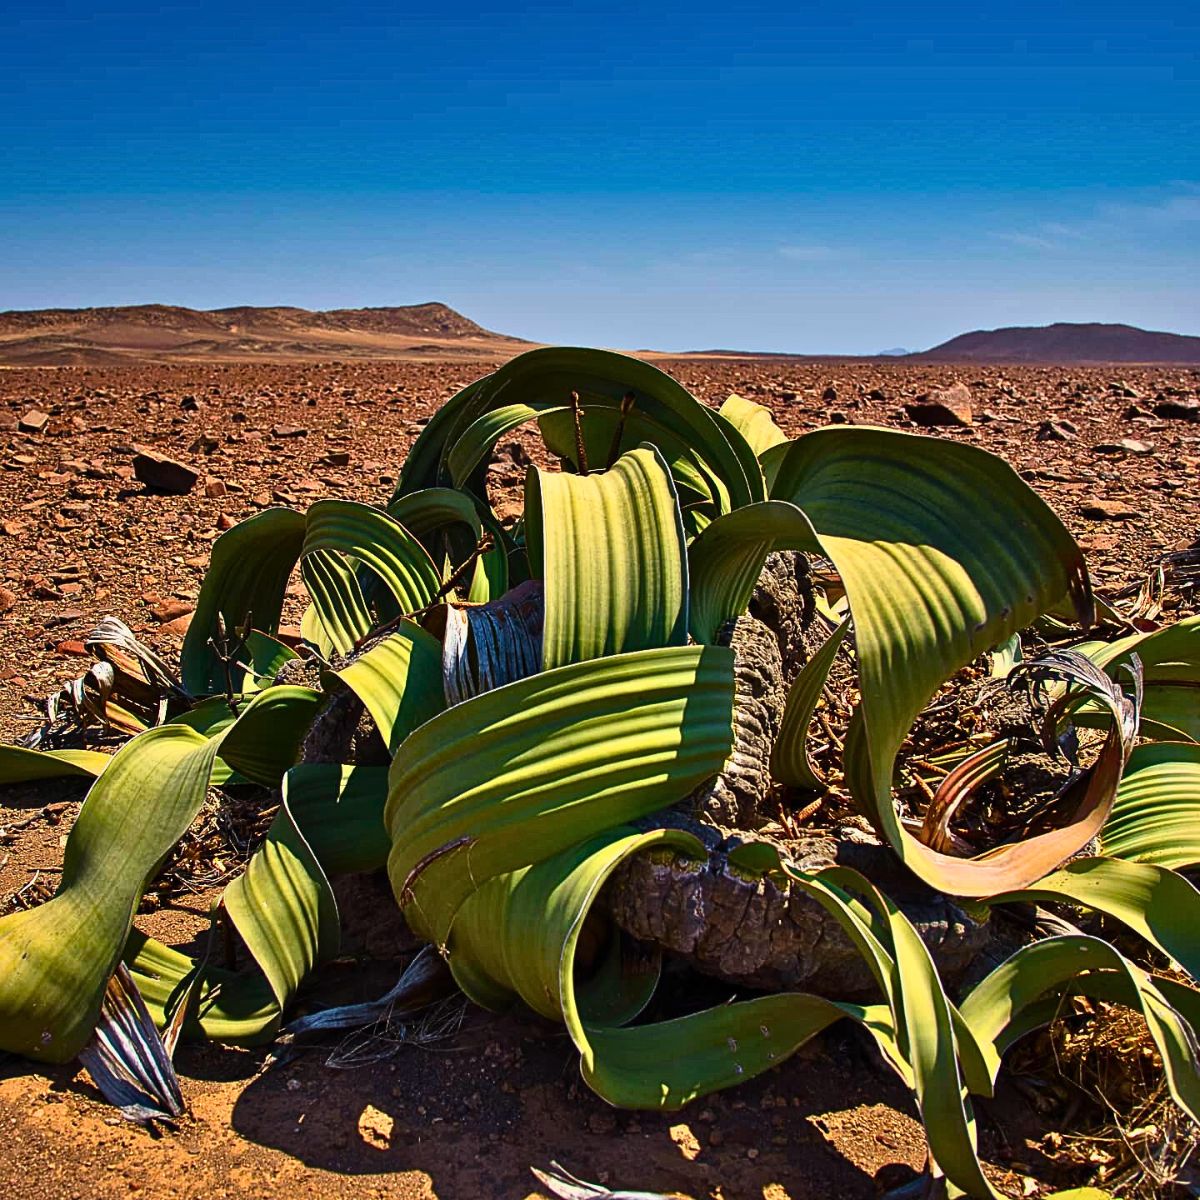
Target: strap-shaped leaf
727 558
283 908
479 439
19 765
944 552
399 680
1170 660
460 519
265 739
339 616
607 435
247 577
378 542
1025 993
610 550
790 761
55 960
1156 816
599 378
512 776
340 810
1158 904
754 422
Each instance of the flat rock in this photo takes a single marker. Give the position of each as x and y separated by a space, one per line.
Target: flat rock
1107 510
34 421
1178 410
171 609
162 474
1124 446
1057 431
943 406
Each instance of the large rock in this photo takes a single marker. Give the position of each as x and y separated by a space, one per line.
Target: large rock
1178 410
162 474
943 406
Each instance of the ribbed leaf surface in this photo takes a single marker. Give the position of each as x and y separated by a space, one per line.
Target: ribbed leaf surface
1156 816
247 576
510 777
610 550
944 552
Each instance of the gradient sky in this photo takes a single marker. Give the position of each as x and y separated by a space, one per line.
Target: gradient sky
833 178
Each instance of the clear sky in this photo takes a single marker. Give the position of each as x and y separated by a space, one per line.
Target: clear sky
834 177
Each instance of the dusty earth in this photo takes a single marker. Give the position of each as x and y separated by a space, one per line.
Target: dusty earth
79 538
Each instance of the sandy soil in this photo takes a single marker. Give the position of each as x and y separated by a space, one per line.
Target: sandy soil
79 539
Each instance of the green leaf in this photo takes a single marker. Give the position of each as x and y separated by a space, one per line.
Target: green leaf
790 763
442 512
265 739
1158 904
514 775
1156 816
754 422
378 542
944 552
283 908
399 680
601 379
340 810
247 577
339 617
264 658
1025 993
55 960
19 765
1170 661
727 558
610 549
480 438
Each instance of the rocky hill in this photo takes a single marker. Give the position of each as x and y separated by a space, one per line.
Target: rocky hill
1066 344
164 332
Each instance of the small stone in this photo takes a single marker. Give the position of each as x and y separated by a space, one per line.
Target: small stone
162 474
830 395
8 600
338 458
1107 510
34 421
1057 431
289 431
214 488
68 617
943 406
225 522
1124 446
170 609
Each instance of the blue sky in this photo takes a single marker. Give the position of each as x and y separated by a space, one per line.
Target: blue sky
836 178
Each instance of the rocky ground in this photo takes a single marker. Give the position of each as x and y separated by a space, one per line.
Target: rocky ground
1115 451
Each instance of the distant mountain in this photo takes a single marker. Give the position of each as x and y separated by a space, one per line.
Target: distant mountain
1066 344
897 352
164 332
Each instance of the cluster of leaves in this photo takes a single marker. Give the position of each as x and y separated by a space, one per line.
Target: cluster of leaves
540 688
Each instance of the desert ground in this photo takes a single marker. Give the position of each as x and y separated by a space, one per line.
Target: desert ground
1113 450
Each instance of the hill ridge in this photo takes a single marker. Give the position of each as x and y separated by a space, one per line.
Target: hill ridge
1066 343
140 332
